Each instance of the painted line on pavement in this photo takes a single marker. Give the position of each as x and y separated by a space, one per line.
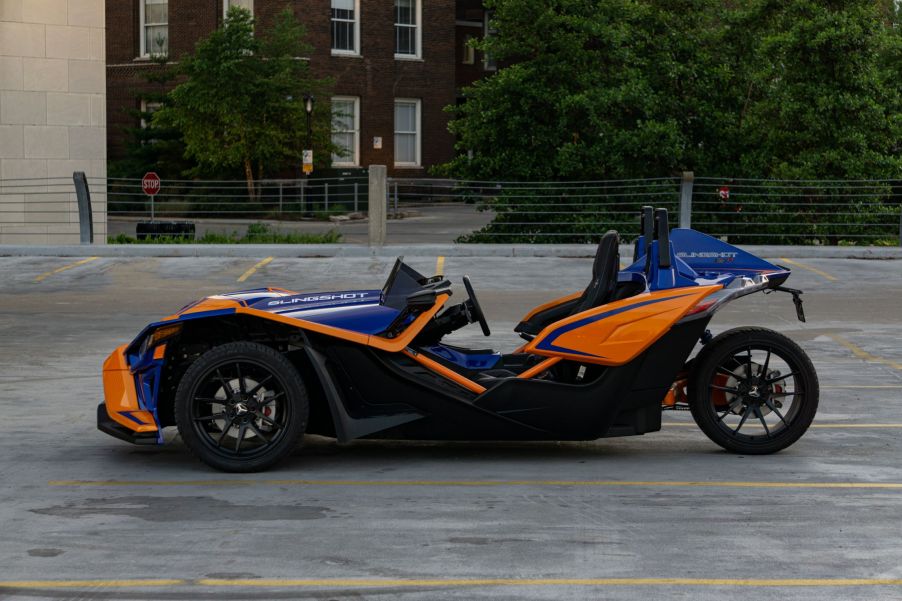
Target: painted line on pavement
440 265
47 274
363 583
863 354
483 483
254 269
809 268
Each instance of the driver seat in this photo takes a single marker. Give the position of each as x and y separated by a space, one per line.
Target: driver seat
600 290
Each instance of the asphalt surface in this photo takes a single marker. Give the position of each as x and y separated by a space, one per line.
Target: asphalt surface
84 516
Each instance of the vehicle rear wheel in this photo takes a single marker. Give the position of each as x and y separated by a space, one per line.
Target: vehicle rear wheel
753 391
241 407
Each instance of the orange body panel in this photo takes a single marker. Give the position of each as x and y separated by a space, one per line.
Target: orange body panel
444 371
617 332
539 368
551 304
120 395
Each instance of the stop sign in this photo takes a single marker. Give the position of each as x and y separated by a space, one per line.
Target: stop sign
150 183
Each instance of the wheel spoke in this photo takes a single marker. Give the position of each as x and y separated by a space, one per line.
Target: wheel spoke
205 399
269 421
745 416
723 369
227 388
225 431
778 378
763 372
763 421
732 405
787 394
242 430
773 407
210 418
259 385
241 386
725 388
258 432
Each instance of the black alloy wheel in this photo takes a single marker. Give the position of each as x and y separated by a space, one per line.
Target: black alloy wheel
753 391
241 407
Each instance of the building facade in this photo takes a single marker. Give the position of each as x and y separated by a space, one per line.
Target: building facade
52 117
395 63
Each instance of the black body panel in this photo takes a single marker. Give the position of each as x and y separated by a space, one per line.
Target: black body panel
388 396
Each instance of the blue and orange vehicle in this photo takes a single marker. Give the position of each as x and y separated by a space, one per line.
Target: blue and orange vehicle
244 375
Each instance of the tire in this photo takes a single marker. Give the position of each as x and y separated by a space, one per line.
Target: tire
733 383
241 407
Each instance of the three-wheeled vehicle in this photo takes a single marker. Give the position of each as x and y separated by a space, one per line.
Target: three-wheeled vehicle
244 375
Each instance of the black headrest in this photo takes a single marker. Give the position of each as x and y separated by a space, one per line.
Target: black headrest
610 244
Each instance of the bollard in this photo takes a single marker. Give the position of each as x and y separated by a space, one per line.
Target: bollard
85 216
686 199
355 197
378 192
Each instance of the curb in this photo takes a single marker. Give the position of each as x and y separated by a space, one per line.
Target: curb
412 250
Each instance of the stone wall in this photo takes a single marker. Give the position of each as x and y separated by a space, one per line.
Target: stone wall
52 117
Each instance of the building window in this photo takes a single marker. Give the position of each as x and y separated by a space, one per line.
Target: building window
246 4
407 132
346 130
488 62
148 108
407 30
154 27
345 27
469 53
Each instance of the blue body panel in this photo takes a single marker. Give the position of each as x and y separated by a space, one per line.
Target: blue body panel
469 360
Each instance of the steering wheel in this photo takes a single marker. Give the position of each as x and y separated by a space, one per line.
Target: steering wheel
475 309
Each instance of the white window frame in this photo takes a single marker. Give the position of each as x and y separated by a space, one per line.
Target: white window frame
146 108
418 37
143 28
469 53
356 51
418 138
227 3
488 63
354 159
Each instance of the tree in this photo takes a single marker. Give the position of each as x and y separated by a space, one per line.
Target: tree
153 146
241 105
639 88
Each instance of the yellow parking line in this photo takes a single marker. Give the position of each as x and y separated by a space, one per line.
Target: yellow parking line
809 268
47 274
254 269
863 354
483 483
454 582
440 265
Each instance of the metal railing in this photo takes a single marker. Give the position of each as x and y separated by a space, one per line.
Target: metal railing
745 211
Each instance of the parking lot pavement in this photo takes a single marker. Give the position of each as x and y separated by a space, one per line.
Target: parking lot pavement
663 515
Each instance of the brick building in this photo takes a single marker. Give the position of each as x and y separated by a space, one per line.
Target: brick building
396 65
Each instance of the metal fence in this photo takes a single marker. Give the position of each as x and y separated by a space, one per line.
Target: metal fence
440 210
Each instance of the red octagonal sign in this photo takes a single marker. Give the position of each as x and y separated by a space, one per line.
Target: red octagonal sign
150 183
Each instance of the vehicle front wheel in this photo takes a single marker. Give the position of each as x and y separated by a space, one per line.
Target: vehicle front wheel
753 391
241 407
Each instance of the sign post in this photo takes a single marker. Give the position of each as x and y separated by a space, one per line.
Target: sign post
150 185
308 162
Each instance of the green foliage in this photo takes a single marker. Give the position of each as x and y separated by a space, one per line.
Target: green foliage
257 233
241 106
153 146
639 88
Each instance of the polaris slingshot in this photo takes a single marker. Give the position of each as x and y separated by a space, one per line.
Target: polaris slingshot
245 375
